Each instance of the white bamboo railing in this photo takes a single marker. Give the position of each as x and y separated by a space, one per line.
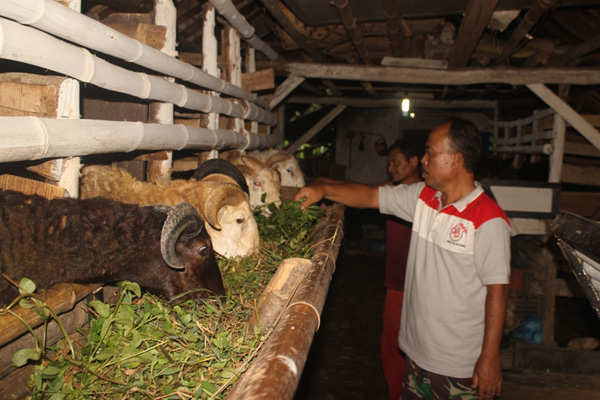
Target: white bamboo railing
227 9
510 136
30 46
52 138
54 18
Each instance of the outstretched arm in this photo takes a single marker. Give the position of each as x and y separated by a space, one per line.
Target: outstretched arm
487 376
349 194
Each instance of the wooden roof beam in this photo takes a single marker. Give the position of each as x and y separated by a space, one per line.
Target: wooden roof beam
415 103
352 28
477 16
532 16
275 8
465 76
578 51
395 25
354 32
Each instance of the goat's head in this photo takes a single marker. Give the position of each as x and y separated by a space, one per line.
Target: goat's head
231 223
288 168
187 248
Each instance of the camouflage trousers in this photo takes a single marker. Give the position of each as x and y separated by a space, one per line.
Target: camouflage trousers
424 385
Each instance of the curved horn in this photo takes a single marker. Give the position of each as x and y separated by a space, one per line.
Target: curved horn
219 166
222 195
183 218
276 158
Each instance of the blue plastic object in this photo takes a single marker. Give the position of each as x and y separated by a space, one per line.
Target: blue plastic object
530 330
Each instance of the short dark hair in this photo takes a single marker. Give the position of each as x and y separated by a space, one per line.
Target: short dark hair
466 140
408 148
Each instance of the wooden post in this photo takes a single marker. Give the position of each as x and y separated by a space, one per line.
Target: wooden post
209 54
234 66
159 171
549 297
250 62
559 129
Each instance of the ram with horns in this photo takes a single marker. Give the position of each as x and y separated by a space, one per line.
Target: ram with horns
164 249
217 195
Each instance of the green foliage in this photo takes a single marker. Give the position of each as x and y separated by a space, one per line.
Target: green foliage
144 347
286 231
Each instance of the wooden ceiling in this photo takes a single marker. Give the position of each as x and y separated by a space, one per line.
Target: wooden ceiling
452 35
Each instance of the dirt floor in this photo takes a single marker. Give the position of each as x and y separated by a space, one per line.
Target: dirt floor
344 358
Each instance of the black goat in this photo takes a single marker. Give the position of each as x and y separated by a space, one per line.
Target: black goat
164 249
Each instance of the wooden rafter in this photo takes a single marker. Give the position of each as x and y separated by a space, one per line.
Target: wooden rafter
353 30
477 16
537 11
285 89
331 115
394 25
275 8
578 51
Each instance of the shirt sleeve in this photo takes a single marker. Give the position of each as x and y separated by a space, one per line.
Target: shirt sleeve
400 201
492 252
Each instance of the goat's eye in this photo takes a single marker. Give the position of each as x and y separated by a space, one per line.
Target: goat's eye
239 220
203 250
289 170
257 183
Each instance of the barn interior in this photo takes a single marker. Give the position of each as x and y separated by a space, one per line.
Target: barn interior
160 86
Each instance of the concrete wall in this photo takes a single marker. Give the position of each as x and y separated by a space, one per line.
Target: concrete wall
354 126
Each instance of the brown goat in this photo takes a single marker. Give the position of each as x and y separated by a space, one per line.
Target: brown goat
164 249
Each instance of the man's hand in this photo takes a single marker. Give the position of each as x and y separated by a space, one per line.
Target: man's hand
487 377
311 194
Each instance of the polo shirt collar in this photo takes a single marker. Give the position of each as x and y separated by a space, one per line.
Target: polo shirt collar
461 204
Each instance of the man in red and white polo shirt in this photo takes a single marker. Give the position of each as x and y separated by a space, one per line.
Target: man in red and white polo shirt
457 272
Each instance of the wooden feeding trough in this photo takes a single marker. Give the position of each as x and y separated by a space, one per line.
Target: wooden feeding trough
288 314
276 371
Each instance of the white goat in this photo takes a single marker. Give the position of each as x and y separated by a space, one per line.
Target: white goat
262 181
218 199
285 163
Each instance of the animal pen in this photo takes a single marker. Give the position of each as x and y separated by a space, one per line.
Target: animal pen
50 52
74 87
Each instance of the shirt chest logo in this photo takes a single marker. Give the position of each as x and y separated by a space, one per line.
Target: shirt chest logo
457 234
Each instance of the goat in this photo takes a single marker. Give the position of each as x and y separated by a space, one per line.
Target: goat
217 197
164 249
285 163
262 181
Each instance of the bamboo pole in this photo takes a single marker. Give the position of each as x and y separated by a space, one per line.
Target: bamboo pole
32 138
54 18
30 46
227 9
532 149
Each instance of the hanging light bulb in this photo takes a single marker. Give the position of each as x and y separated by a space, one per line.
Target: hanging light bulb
405 106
